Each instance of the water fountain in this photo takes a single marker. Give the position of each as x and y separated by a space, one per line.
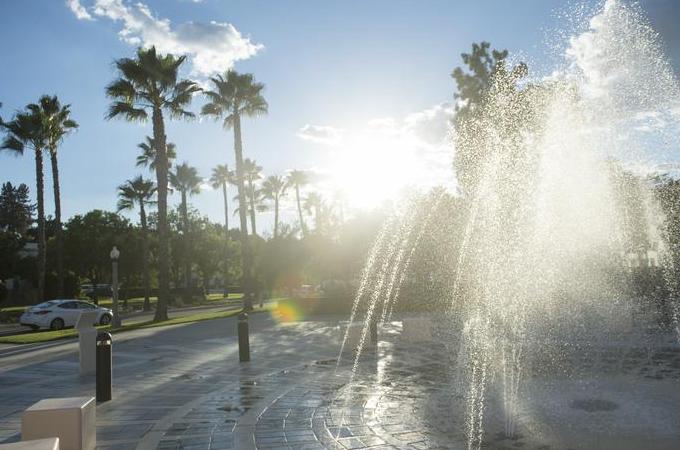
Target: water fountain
538 290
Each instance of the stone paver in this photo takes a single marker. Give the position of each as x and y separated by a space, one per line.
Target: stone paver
183 388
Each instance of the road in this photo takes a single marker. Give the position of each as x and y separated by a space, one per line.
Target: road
141 316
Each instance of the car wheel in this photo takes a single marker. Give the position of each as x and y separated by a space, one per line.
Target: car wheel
105 320
57 324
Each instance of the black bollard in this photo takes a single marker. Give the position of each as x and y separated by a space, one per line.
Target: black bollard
104 366
374 332
243 340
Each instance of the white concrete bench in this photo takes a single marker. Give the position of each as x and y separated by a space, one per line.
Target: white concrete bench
38 444
72 420
416 329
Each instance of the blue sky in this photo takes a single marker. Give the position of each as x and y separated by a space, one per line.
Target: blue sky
333 71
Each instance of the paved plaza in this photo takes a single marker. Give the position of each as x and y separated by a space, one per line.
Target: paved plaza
182 387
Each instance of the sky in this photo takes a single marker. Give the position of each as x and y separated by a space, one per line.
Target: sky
359 91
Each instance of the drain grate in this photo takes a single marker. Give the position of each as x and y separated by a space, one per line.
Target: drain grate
594 405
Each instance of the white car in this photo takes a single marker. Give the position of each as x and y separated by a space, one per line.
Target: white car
59 314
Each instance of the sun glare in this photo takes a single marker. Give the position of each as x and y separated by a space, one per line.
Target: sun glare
374 168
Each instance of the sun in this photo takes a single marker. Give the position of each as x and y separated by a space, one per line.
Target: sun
372 168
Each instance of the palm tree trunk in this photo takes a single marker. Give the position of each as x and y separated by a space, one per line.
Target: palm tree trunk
245 247
252 206
146 279
226 208
163 237
40 182
226 237
57 223
276 216
187 245
299 207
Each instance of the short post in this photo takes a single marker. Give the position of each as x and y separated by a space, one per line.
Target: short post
104 366
243 339
115 254
374 331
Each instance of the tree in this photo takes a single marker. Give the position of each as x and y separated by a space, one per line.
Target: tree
257 202
16 216
88 240
314 205
148 156
186 180
486 72
252 173
298 179
237 95
149 84
57 123
16 211
273 188
211 251
26 131
221 177
139 191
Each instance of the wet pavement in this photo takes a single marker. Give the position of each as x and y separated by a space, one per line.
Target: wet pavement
182 387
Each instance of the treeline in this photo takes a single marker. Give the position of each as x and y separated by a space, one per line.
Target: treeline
206 261
148 88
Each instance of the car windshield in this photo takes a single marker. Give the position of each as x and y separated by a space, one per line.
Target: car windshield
44 305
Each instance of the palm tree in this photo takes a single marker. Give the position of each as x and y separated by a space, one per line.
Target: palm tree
26 130
185 179
221 177
273 188
149 84
148 156
297 179
258 203
57 123
252 173
314 204
140 191
237 95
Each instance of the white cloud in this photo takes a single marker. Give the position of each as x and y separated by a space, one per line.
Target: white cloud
432 125
79 10
383 123
320 134
379 160
212 47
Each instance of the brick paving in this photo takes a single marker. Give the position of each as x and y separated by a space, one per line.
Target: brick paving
183 388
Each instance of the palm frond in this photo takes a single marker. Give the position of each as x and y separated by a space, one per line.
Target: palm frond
127 111
13 144
121 89
185 179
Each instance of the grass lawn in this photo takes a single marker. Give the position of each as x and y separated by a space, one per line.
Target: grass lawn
10 314
46 336
138 302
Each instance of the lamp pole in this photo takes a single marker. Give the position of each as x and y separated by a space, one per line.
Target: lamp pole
115 253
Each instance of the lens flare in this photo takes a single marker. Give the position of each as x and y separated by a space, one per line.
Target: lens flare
287 311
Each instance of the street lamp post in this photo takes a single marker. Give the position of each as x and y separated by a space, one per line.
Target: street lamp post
115 253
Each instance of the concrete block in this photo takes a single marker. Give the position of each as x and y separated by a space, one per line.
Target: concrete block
38 444
73 420
87 340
